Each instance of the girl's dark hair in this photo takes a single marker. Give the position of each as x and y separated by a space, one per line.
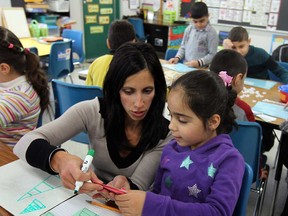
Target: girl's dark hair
120 31
128 60
206 95
25 63
230 61
199 10
238 34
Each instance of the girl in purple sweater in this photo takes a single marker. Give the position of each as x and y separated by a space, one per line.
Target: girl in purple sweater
200 172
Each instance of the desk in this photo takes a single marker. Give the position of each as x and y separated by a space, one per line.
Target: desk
6 156
270 94
43 48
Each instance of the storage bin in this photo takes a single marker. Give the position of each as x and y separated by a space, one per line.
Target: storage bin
169 16
58 5
53 31
47 19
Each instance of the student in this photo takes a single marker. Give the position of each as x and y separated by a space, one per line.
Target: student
120 31
200 169
126 128
200 41
23 88
259 63
258 60
233 64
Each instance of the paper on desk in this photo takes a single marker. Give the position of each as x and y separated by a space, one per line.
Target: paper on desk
77 206
29 191
179 67
83 72
270 109
266 84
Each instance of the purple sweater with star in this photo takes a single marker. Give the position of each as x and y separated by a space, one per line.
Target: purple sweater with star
204 181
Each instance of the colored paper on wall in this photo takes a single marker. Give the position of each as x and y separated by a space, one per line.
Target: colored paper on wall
96 29
93 8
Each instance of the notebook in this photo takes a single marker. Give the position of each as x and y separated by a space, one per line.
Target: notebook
179 67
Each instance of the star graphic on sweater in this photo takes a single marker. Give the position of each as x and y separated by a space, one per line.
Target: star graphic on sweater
193 191
186 162
168 182
211 170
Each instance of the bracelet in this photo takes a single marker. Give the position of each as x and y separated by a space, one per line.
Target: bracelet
51 155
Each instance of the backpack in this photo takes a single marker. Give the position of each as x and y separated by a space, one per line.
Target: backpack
281 53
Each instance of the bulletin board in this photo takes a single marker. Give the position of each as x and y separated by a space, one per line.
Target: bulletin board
264 14
15 20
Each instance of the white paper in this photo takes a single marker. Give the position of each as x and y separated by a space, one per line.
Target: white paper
29 191
77 206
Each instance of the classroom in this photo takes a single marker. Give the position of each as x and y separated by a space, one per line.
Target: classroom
70 38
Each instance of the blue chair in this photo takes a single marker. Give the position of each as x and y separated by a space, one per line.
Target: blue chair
77 44
139 28
171 53
247 139
34 50
68 94
240 209
59 63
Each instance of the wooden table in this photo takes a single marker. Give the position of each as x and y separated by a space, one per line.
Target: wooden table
268 94
43 48
6 156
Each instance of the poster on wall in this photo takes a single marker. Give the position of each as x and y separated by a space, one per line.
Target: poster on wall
134 4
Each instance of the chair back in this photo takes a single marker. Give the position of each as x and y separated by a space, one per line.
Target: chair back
60 60
68 94
171 53
247 139
77 44
281 53
240 208
138 27
34 50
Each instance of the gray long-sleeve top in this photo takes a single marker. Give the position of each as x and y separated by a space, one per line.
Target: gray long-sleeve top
198 45
86 116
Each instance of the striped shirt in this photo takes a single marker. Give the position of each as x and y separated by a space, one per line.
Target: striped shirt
19 110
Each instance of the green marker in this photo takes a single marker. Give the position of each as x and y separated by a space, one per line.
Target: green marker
85 167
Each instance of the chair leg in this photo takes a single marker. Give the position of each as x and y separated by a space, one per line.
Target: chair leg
278 148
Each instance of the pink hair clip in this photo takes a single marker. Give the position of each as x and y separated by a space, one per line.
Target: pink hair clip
226 78
10 46
26 51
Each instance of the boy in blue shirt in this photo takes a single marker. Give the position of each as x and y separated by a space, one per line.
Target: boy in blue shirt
258 60
199 44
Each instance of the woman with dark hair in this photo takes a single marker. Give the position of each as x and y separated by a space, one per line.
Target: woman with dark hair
23 88
126 128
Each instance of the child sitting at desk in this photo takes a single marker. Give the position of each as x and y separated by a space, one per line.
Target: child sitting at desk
232 65
120 31
23 88
200 41
258 60
197 167
259 63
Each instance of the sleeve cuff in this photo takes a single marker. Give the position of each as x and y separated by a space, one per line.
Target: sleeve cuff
39 154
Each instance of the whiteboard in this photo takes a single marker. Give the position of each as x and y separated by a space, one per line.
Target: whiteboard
15 20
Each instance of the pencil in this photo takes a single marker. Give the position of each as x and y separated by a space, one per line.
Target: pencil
102 205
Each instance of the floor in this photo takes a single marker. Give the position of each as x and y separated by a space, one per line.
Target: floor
81 150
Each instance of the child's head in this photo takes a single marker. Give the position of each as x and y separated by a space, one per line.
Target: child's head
199 15
234 64
16 61
240 39
200 108
120 31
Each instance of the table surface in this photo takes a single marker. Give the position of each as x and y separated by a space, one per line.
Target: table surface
43 47
6 156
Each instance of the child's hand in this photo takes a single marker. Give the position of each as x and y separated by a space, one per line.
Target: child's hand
227 44
173 60
192 63
131 203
